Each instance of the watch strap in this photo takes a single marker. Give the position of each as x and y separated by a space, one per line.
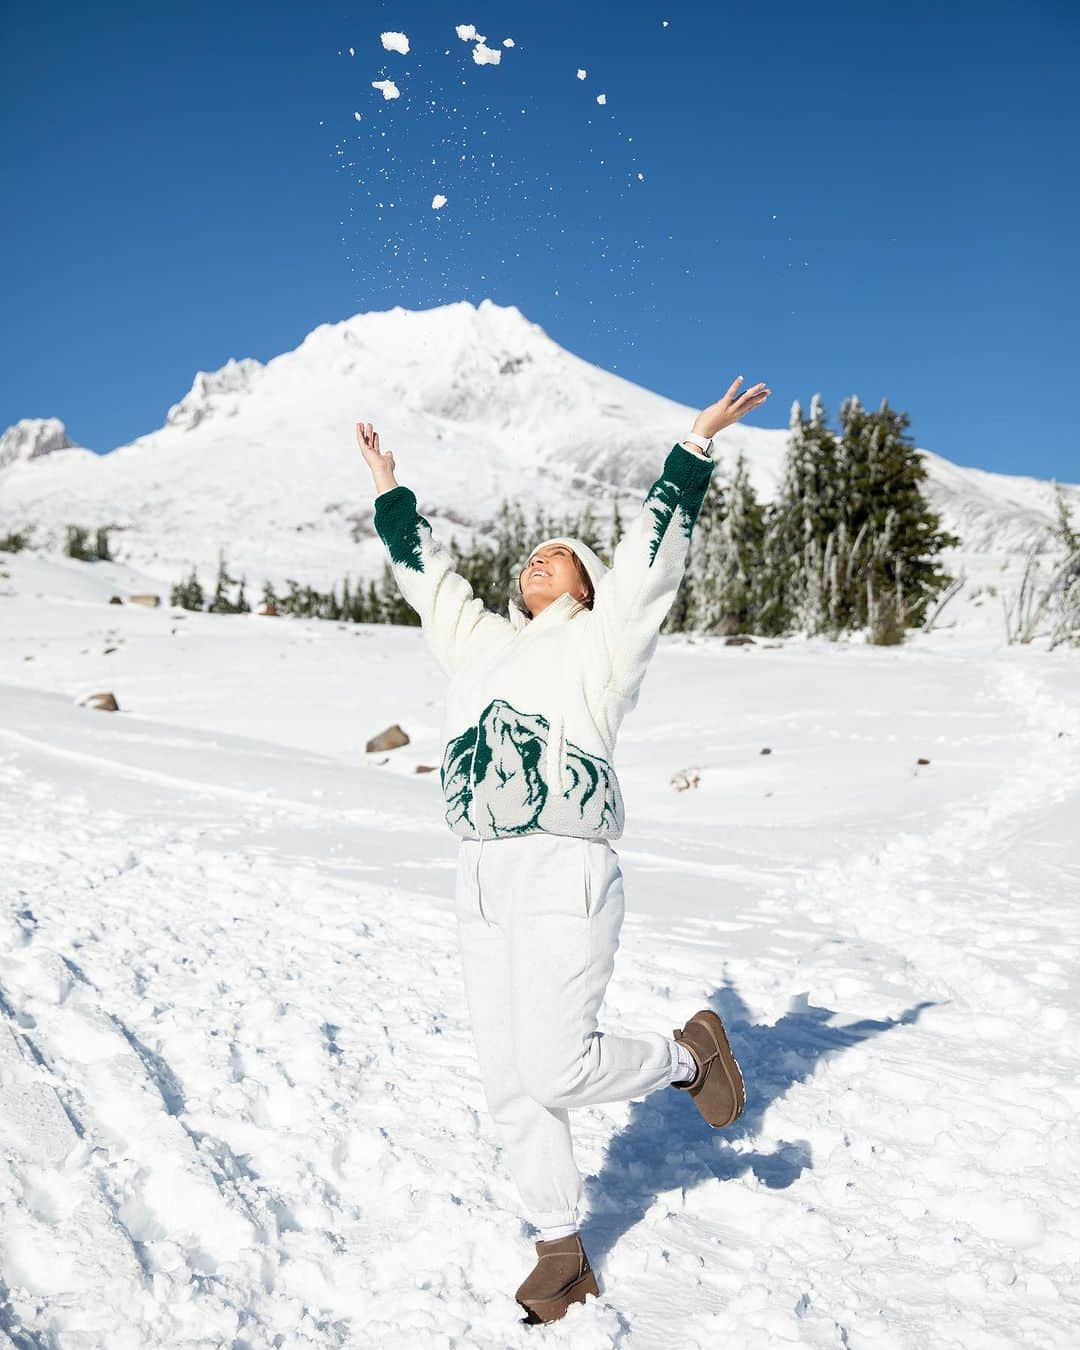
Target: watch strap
703 443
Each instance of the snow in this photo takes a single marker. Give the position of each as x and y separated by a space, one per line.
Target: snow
395 42
388 88
238 1096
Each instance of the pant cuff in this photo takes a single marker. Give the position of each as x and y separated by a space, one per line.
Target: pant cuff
554 1218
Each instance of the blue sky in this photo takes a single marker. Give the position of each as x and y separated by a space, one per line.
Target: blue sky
836 197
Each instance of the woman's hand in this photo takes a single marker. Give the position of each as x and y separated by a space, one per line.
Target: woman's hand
380 462
730 408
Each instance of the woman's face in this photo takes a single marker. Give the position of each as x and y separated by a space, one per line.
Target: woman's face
549 573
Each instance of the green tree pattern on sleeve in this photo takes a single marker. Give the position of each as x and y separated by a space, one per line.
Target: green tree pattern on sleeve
398 524
681 488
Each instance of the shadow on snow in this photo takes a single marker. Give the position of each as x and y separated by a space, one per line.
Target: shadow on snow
666 1145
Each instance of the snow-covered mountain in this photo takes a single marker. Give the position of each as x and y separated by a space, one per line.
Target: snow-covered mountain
34 437
476 402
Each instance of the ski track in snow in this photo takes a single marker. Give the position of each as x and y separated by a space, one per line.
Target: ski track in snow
214 1136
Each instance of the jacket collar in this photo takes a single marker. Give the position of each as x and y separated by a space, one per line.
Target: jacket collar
561 609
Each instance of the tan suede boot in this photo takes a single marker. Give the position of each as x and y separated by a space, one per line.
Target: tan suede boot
718 1090
562 1275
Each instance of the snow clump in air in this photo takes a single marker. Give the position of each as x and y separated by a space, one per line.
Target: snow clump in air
601 98
395 42
437 201
581 74
483 56
388 87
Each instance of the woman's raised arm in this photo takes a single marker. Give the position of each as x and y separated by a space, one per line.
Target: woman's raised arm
453 618
636 593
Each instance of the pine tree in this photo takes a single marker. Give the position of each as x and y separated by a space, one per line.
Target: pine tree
188 594
905 535
733 602
615 532
782 584
850 541
76 545
221 604
14 541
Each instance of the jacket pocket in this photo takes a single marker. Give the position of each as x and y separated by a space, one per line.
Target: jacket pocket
555 755
586 880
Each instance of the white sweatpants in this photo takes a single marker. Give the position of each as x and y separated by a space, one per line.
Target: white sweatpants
538 921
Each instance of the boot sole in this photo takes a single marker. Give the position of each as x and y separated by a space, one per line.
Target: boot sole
730 1065
551 1309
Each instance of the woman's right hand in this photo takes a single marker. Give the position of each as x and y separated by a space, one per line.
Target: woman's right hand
380 462
730 408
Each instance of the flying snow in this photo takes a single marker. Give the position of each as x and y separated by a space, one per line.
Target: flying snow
437 201
388 87
395 42
601 98
482 55
581 74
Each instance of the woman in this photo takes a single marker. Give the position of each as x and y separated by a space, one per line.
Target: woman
534 702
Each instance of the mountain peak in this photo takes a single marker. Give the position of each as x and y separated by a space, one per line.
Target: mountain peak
216 392
32 437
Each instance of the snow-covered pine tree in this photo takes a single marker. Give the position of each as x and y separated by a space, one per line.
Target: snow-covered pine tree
373 609
903 535
733 600
221 604
785 590
615 532
691 610
188 594
76 545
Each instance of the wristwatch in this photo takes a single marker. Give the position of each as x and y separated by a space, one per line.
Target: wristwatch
704 443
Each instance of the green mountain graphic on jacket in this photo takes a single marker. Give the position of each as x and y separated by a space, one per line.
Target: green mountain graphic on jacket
534 705
495 770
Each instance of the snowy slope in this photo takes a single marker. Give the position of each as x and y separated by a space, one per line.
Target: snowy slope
476 402
239 1103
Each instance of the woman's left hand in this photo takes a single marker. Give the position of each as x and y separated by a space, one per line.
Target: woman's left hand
730 408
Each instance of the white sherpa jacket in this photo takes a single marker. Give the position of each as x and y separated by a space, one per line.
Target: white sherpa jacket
534 705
